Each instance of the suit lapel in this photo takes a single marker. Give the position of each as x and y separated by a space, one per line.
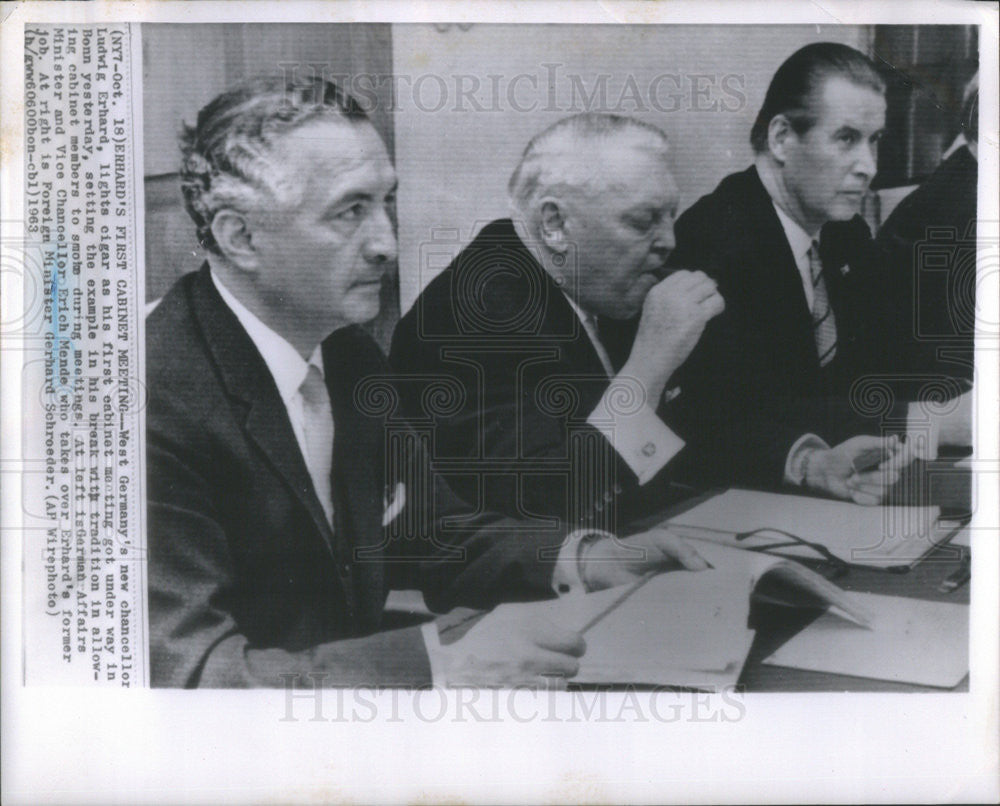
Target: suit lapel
359 455
556 317
248 381
780 281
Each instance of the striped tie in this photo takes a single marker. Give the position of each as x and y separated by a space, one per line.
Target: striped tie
824 322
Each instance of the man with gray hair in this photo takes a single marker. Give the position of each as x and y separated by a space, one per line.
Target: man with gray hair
553 420
283 501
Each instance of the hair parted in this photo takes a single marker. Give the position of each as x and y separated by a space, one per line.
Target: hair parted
792 90
225 155
552 160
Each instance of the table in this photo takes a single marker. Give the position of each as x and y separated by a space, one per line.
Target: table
940 483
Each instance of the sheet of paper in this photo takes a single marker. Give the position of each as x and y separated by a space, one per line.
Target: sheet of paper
911 641
679 628
877 536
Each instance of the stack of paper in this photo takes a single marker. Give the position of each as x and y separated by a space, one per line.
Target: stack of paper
679 628
876 536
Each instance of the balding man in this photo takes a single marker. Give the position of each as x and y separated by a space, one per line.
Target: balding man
550 419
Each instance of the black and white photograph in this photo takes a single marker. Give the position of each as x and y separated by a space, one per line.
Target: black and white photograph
544 362
604 395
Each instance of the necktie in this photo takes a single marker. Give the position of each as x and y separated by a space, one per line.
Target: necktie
824 322
317 416
591 326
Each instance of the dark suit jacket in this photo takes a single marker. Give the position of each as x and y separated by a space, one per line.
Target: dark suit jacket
496 330
928 244
247 579
754 383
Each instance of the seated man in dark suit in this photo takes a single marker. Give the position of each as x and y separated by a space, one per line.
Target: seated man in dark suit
803 356
938 220
277 519
548 419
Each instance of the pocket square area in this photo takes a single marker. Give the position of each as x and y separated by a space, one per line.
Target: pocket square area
393 503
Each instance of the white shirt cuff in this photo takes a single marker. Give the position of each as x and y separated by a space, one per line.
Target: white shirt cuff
566 577
638 436
795 471
432 643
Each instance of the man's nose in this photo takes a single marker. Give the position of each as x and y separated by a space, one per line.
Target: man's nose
664 242
867 162
380 245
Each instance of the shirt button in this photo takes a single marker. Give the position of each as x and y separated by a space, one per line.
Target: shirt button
618 489
648 449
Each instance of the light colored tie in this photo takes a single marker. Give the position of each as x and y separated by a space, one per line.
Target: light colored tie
317 416
824 322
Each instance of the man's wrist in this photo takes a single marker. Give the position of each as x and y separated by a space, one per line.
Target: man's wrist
795 467
582 549
652 380
568 574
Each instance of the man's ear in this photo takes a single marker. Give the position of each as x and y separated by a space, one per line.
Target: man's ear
231 231
779 136
552 226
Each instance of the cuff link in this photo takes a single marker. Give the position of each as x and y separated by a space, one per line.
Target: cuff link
648 449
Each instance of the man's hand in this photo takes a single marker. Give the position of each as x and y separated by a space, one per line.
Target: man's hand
832 470
674 315
509 647
610 561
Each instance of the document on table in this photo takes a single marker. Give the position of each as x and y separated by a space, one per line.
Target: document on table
876 536
909 641
679 628
683 628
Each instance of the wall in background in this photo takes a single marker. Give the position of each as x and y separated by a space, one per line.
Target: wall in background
931 66
468 98
458 103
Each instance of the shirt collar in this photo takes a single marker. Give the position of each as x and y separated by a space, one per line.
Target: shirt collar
584 317
800 240
283 361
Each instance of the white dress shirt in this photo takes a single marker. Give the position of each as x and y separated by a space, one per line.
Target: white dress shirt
924 423
289 371
639 437
801 242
